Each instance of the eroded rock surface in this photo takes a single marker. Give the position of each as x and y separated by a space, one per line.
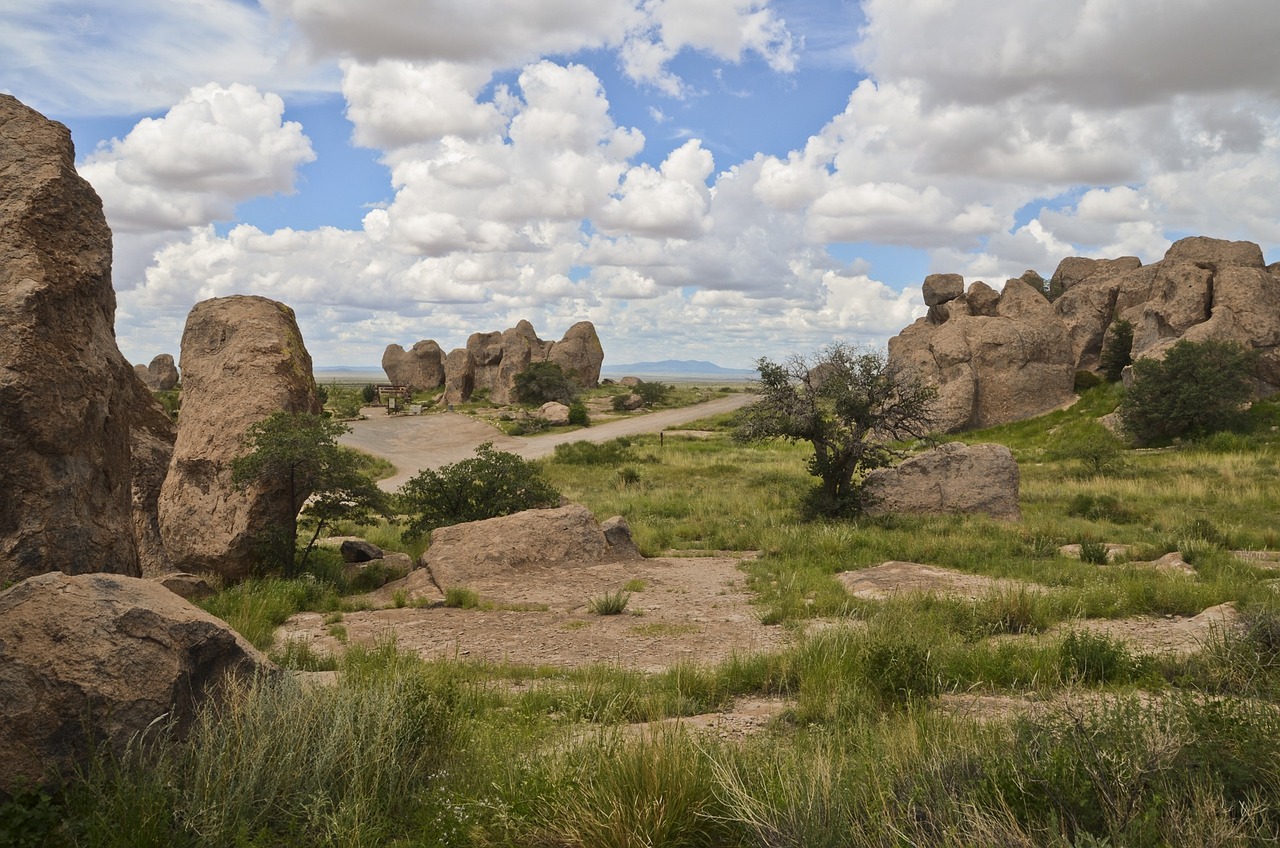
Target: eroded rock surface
243 358
420 368
951 478
97 658
161 375
65 500
151 437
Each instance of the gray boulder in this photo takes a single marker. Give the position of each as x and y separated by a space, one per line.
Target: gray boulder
951 478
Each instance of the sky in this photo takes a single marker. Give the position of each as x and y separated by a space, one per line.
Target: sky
702 179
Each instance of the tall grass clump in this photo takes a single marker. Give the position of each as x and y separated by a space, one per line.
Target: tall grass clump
255 608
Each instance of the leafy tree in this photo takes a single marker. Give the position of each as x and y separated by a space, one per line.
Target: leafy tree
578 414
297 456
652 393
1197 389
850 405
1117 350
1097 449
490 484
369 394
545 381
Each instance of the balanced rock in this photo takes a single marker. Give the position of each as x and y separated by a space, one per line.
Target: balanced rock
243 358
951 478
521 542
1009 362
64 438
940 288
420 368
96 658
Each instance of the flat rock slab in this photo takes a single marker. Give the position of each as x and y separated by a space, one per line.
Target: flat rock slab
691 611
896 577
1161 635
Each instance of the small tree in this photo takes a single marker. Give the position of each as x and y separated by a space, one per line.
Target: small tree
1117 350
652 393
1197 389
490 484
544 381
297 455
850 405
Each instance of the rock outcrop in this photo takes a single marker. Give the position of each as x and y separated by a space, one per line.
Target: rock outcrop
520 542
64 438
161 375
490 361
96 658
951 478
421 368
243 358
151 437
1010 361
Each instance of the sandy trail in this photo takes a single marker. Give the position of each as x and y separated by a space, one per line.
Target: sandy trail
415 442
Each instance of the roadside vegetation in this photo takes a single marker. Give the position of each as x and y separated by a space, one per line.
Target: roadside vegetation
1082 740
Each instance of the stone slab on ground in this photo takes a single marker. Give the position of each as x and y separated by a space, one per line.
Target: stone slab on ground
895 577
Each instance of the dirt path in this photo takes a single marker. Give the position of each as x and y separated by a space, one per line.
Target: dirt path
415 442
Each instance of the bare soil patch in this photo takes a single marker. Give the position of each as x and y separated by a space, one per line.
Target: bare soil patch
691 610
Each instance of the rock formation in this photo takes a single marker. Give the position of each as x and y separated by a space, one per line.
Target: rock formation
1009 361
490 361
161 375
97 658
952 478
421 368
64 439
520 542
243 358
1003 357
151 437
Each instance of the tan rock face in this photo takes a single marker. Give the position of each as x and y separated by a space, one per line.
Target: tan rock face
421 367
151 437
522 542
98 657
580 354
64 479
243 358
491 361
952 478
1009 363
161 375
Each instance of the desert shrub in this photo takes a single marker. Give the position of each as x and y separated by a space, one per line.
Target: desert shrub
458 597
1085 657
578 414
613 452
652 393
1117 350
610 603
544 381
490 484
1101 508
1095 447
28 819
1197 389
171 400
369 393
1093 552
901 671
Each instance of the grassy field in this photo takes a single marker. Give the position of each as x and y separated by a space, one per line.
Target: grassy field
1104 746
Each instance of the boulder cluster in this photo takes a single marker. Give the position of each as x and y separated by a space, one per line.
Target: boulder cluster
161 375
1001 357
491 361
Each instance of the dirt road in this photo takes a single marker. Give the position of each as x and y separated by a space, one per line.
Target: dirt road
415 442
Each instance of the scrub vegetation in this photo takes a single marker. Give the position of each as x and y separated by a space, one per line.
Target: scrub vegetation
1072 738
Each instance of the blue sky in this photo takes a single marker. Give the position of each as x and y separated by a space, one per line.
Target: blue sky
703 179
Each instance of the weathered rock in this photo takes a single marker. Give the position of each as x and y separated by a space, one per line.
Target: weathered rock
982 299
631 401
555 414
459 376
1076 269
995 368
192 587
630 381
521 542
520 347
97 658
65 477
243 358
580 354
358 550
151 437
1217 254
618 534
421 367
940 288
951 478
161 375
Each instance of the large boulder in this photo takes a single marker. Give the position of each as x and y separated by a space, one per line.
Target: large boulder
421 367
243 358
93 659
64 438
580 354
151 437
1010 361
161 375
951 478
523 542
459 376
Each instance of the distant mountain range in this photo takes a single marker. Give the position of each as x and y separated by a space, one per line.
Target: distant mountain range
678 368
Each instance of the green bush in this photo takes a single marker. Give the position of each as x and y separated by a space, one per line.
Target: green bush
1117 350
369 393
652 393
1101 508
1085 380
578 414
490 484
1097 449
614 452
545 381
1197 389
610 603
